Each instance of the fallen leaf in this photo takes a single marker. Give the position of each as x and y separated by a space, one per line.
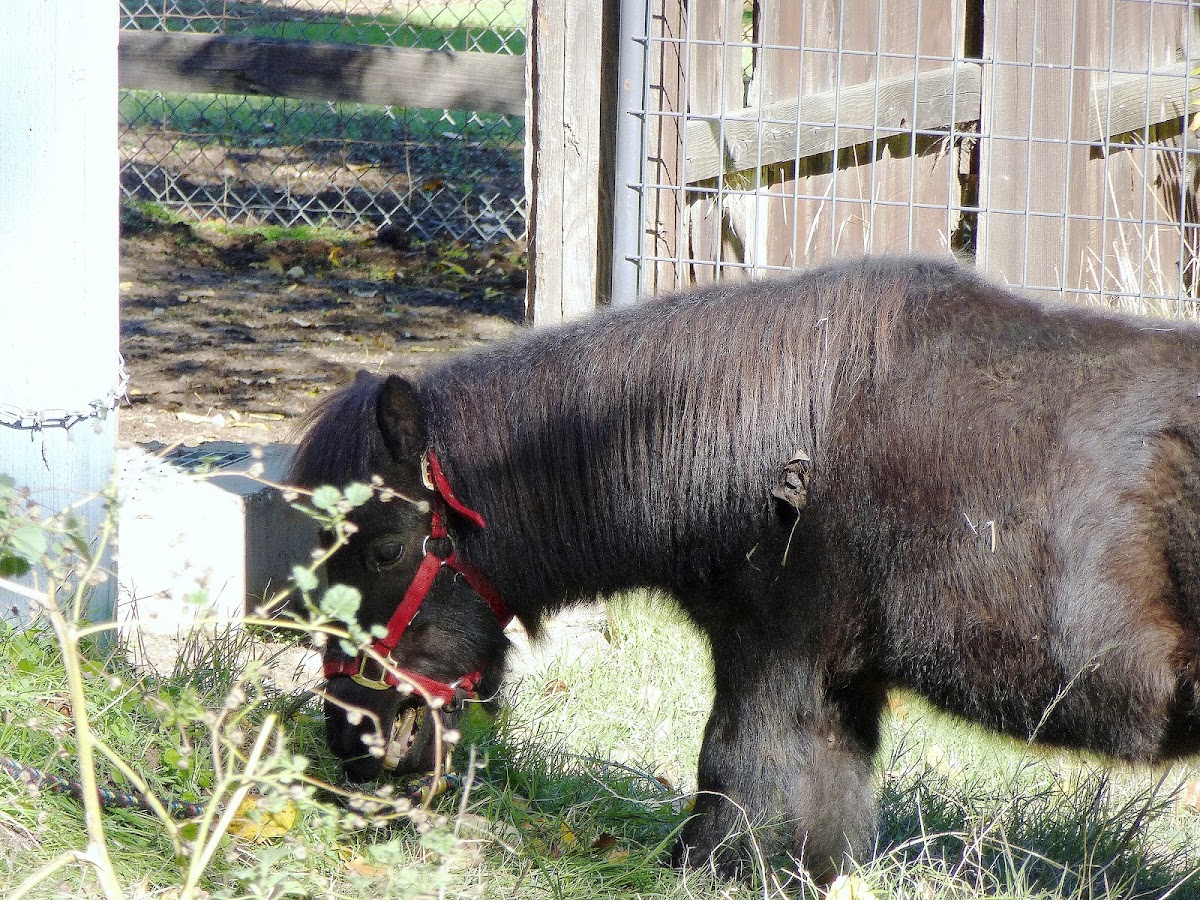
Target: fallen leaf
264 826
567 836
937 759
1189 795
849 887
604 842
60 705
185 296
193 418
360 866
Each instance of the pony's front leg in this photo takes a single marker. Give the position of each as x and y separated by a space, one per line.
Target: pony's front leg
780 751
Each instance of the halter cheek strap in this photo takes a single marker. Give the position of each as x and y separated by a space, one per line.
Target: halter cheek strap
392 676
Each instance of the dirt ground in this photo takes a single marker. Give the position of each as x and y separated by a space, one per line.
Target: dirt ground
234 336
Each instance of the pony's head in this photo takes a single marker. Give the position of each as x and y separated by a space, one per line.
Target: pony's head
444 624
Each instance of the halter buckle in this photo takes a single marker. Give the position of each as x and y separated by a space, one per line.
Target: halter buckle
361 678
427 473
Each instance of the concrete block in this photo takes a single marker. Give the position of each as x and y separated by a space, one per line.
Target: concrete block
198 538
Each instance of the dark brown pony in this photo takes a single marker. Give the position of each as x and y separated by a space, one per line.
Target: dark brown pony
881 473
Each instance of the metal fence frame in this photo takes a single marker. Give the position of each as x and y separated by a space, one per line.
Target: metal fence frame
1050 142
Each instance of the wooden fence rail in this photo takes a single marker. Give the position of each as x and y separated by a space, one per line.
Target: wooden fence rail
865 112
316 70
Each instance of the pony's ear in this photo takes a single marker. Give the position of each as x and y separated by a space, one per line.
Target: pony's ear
399 415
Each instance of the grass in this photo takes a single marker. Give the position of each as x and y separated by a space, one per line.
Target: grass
490 26
138 216
256 122
582 784
579 786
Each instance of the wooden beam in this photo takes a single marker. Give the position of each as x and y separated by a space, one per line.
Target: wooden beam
562 157
770 135
315 70
1128 103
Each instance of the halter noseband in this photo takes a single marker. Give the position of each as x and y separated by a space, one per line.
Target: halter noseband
431 564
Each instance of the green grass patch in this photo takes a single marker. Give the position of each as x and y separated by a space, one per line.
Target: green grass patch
484 38
489 27
579 786
257 122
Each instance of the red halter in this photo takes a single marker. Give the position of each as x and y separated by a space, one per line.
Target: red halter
393 676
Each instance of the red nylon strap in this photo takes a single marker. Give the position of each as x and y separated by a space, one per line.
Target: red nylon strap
421 583
413 597
442 486
395 677
480 585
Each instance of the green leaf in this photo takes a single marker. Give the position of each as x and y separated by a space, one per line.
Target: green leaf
12 567
326 498
341 602
304 579
28 541
358 493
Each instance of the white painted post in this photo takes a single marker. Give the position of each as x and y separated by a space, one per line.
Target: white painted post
58 255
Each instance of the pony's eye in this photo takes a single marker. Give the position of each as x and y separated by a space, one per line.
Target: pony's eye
386 552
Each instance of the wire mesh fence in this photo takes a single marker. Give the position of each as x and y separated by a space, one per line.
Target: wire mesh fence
285 161
1055 144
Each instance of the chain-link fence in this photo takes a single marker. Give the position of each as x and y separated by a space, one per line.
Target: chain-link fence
279 160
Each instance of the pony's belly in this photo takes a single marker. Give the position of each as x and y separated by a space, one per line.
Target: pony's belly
1058 670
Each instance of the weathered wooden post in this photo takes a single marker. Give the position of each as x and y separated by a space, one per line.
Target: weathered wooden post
59 369
570 77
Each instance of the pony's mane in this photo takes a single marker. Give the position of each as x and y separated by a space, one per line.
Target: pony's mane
639 446
648 437
341 441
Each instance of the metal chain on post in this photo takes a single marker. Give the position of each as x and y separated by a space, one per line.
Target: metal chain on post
35 420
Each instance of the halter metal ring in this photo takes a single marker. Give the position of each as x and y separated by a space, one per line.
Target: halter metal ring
425 546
